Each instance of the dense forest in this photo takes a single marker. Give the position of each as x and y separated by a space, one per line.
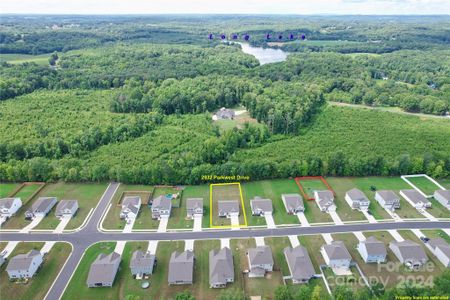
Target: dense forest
130 98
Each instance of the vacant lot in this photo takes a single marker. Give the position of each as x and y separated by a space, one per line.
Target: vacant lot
424 184
38 286
6 189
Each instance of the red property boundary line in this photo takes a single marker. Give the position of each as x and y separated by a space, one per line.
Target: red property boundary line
305 195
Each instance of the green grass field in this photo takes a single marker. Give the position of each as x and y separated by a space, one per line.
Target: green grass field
41 59
6 189
425 185
340 187
352 281
88 196
38 286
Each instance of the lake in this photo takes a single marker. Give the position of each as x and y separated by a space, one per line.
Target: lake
265 55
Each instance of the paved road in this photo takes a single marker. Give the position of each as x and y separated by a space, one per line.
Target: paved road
90 234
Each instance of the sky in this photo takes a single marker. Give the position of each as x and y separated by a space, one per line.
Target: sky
366 7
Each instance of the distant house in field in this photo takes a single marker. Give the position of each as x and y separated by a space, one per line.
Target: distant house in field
325 200
161 207
372 250
336 255
41 207
181 268
416 199
130 207
221 268
409 253
388 199
24 265
299 263
441 249
443 197
228 208
66 208
194 207
357 199
103 270
9 207
224 114
293 203
261 207
260 261
142 263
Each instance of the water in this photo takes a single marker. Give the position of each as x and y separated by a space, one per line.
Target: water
265 55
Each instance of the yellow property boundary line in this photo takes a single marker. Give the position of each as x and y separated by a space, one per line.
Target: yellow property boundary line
211 206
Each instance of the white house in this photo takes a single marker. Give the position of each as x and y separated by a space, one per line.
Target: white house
24 265
66 208
325 200
260 261
9 206
372 250
416 199
443 197
130 207
388 199
336 255
41 207
357 199
161 207
441 249
194 207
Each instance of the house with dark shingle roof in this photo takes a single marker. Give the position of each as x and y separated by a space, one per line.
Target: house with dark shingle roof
260 261
261 207
221 268
416 199
181 268
293 203
66 208
103 270
372 250
142 263
299 263
130 207
357 199
24 265
224 114
409 253
41 207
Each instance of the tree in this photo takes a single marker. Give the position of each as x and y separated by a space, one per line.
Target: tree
316 293
283 292
185 295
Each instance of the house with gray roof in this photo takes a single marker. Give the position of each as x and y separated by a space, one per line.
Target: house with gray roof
2 259
441 249
224 114
194 207
357 199
9 207
325 200
372 250
181 268
142 263
388 199
409 253
41 207
24 265
299 263
293 203
221 268
66 208
228 208
260 261
261 207
130 207
103 270
443 197
336 255
161 207
416 199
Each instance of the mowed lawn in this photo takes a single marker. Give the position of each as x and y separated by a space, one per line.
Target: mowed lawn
424 184
38 286
7 188
225 192
340 187
88 196
25 193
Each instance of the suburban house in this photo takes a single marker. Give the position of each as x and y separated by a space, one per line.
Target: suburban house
66 208
9 206
293 203
224 114
415 198
103 270
357 199
336 255
161 207
325 200
194 207
260 261
441 249
24 265
372 250
388 199
142 263
130 207
41 207
409 253
228 208
221 267
261 207
299 263
181 268
443 197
